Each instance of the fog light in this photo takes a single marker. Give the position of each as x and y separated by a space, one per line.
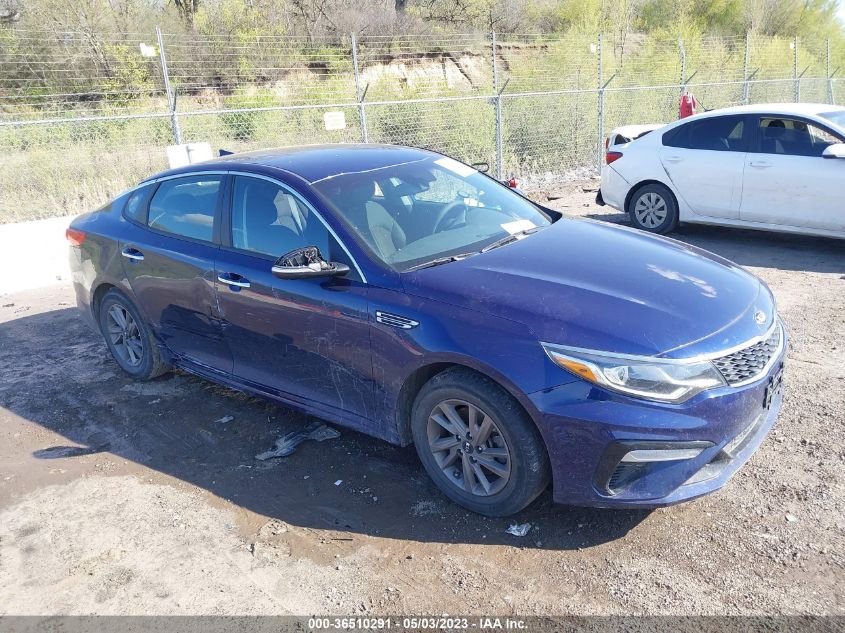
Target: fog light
661 455
625 462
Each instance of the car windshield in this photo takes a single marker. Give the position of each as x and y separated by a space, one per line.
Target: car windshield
837 117
429 211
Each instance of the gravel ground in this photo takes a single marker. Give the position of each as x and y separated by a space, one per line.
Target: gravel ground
125 498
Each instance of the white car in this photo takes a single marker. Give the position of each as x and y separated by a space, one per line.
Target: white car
778 167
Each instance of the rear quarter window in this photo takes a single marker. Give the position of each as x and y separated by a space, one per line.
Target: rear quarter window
676 137
136 204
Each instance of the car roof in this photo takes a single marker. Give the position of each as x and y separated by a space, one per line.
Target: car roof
786 109
313 162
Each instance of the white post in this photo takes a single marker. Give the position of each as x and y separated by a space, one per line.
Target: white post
498 105
830 98
599 50
746 86
359 96
171 96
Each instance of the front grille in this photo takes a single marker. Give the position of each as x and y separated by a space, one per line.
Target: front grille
747 364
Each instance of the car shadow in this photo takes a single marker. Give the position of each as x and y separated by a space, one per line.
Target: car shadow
208 436
766 249
762 249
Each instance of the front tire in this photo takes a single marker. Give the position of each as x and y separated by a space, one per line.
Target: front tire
653 208
128 338
477 443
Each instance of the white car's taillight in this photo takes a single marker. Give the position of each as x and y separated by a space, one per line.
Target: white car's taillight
612 156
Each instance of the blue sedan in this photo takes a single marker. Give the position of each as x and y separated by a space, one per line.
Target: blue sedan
403 294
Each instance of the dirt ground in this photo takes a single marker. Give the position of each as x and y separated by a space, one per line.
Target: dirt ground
126 498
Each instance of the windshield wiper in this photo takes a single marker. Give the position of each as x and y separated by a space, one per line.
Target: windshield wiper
441 260
507 239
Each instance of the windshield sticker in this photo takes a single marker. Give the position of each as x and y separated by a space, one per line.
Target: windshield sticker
517 226
455 167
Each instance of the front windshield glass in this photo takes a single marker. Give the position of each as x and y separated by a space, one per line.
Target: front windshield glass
837 117
413 213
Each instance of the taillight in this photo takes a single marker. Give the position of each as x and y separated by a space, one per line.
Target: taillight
612 156
75 237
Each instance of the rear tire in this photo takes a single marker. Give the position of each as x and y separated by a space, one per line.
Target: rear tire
653 208
128 338
478 444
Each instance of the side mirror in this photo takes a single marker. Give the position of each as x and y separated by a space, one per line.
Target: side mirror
306 263
837 150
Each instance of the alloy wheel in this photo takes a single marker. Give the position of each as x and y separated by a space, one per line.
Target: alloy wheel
125 335
651 210
469 448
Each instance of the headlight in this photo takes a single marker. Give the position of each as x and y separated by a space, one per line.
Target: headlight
644 377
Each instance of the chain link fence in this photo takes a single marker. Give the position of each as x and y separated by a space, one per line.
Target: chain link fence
83 116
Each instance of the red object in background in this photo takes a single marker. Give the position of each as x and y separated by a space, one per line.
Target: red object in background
512 183
688 105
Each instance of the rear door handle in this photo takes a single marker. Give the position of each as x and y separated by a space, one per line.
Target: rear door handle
760 164
673 159
233 279
132 253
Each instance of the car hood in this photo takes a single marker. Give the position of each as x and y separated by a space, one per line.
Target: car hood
594 285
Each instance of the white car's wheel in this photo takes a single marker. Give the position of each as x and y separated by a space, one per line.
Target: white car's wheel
653 208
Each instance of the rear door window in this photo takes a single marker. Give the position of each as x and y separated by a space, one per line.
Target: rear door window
186 206
718 134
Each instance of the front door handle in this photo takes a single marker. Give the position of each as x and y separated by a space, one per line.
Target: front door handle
132 253
233 279
760 164
673 159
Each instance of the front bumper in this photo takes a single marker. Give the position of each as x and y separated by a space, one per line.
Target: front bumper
588 429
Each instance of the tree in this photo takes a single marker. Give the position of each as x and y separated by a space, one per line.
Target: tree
805 18
10 11
187 10
484 15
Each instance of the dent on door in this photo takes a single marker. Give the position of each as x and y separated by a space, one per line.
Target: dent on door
305 340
